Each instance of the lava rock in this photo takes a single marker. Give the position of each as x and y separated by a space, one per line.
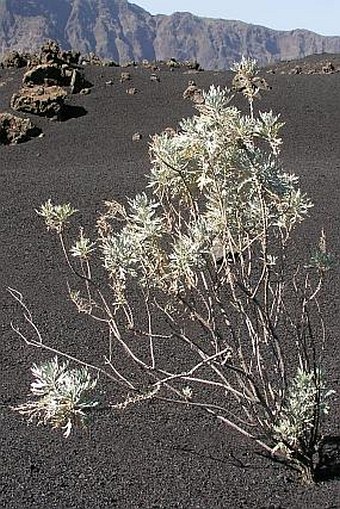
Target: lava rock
14 129
40 100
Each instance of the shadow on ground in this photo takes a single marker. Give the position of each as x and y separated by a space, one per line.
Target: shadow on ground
70 111
329 468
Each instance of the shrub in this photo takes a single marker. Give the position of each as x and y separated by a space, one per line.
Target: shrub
225 322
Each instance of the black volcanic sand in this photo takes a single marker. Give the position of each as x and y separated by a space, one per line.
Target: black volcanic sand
152 455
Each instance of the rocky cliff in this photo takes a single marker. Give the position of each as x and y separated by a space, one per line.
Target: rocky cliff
122 31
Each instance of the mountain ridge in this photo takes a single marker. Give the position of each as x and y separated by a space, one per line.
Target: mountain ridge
123 31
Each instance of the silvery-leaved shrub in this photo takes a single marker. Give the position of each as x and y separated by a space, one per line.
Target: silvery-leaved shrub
61 395
202 304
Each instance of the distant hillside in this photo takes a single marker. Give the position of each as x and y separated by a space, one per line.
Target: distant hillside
122 31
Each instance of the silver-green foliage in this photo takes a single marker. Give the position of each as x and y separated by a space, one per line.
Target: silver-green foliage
61 395
224 186
206 249
307 400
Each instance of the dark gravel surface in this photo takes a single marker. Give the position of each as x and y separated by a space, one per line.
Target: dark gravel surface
151 456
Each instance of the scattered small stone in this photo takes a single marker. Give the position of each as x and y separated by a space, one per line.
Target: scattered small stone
307 67
193 93
109 83
189 92
130 63
110 63
137 136
150 65
191 71
328 68
125 76
93 59
297 70
131 91
85 91
173 64
154 77
193 65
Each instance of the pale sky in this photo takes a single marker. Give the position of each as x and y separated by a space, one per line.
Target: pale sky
321 16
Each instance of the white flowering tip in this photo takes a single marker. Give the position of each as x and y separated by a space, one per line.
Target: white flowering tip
246 64
56 216
83 248
216 98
